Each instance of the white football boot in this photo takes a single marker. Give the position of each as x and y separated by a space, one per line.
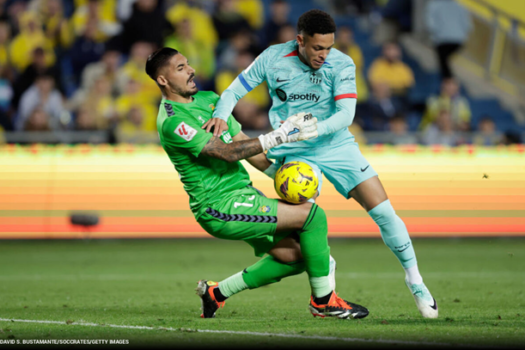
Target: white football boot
424 300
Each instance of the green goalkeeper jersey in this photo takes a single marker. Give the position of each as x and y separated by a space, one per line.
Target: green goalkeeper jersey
206 179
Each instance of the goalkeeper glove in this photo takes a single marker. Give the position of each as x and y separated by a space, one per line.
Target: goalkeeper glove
299 127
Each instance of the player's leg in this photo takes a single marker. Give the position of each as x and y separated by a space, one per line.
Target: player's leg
371 195
292 253
312 163
313 240
351 174
267 270
307 219
248 215
283 260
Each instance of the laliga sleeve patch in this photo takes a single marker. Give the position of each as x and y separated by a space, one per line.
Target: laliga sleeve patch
185 131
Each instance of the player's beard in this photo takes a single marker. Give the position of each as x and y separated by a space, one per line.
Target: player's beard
189 92
184 91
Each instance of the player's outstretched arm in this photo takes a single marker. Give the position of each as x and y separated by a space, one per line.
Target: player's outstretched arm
225 106
232 152
250 78
298 127
258 161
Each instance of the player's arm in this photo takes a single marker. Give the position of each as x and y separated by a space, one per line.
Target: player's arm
298 127
232 152
343 118
345 96
259 161
250 78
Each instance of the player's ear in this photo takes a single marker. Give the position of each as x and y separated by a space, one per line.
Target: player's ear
300 40
162 81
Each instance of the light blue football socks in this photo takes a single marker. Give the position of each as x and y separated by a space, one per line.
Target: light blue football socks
394 233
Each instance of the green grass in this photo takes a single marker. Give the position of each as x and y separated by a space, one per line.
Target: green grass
479 286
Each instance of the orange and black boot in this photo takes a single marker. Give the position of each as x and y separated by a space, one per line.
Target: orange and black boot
337 307
209 302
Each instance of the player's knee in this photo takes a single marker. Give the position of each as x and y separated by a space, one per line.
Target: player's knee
292 217
286 256
294 256
383 214
303 212
316 216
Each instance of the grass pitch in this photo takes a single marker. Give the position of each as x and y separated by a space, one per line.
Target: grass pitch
479 286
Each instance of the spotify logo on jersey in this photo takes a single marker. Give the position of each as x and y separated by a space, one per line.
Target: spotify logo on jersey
296 97
281 94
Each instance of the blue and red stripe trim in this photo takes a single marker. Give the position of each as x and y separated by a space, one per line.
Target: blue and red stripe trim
340 97
245 83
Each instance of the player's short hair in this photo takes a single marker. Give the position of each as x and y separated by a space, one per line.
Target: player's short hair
315 22
158 60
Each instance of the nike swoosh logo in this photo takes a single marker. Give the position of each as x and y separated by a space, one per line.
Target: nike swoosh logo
280 81
247 272
363 170
403 249
435 307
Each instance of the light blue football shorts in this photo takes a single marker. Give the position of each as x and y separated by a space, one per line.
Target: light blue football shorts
342 164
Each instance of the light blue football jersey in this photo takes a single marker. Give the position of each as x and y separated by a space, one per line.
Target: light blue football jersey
295 87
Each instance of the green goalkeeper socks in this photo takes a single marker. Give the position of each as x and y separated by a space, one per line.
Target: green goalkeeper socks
316 252
266 271
270 270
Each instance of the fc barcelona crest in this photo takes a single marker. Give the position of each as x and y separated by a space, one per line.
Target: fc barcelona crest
315 78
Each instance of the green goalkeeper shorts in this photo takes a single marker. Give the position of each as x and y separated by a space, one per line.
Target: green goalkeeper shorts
244 215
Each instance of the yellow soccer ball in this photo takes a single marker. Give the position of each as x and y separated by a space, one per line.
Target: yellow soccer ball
296 182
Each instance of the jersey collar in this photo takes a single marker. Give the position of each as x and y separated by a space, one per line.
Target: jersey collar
295 53
178 103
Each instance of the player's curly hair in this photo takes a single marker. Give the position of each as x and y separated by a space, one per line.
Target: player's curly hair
315 22
157 60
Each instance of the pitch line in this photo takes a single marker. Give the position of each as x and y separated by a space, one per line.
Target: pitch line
258 334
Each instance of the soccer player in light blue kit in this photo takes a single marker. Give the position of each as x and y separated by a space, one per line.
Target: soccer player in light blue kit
307 74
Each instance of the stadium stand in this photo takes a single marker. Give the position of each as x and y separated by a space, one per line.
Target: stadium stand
95 50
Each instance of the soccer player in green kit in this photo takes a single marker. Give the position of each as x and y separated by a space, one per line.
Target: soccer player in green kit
228 207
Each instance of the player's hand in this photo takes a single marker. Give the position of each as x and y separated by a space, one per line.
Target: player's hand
219 124
298 127
301 126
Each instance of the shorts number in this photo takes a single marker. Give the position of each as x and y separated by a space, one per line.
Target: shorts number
237 204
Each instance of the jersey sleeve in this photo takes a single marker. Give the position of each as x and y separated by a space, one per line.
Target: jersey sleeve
234 126
245 82
255 74
344 81
185 134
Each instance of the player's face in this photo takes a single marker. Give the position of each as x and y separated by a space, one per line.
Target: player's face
315 49
179 77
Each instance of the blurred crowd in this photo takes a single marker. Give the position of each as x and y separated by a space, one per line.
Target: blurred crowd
79 65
